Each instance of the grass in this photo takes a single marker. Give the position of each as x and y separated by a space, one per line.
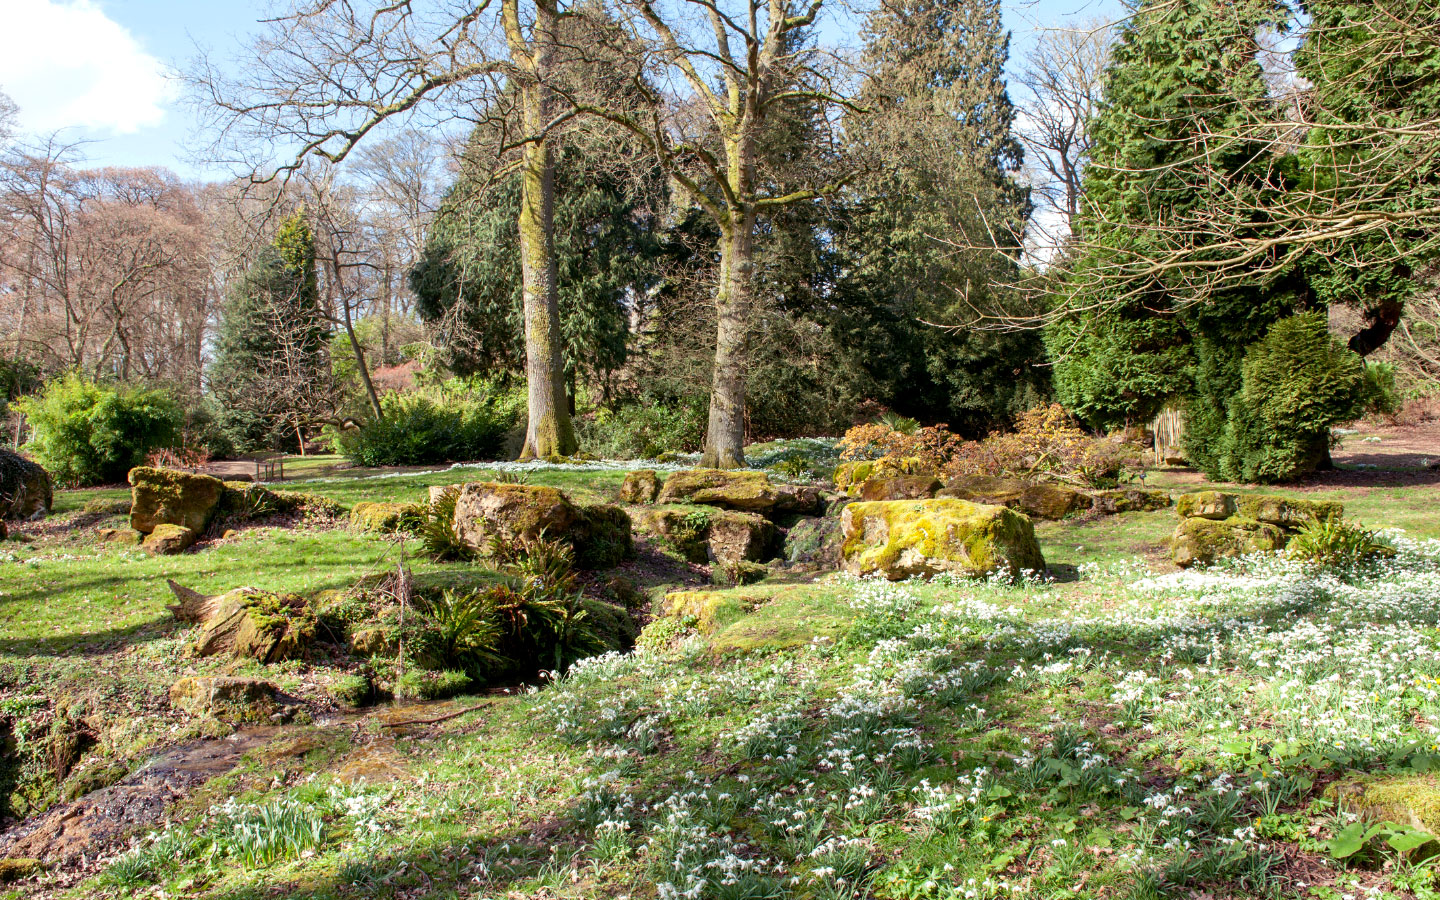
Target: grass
816 740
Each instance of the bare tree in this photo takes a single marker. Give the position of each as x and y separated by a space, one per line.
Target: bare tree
9 114
327 75
1063 76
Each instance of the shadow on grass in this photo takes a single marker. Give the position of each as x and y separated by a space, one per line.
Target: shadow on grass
93 643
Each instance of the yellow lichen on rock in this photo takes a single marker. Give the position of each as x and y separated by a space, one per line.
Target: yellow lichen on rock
903 538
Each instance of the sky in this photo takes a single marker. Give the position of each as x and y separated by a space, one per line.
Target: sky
102 71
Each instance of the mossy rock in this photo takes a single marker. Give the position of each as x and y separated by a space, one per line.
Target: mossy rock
725 488
128 537
257 625
903 538
384 518
353 691
850 476
26 490
419 684
900 487
167 497
641 486
1200 541
1123 500
1214 505
815 541
1290 514
91 775
1408 799
247 502
234 701
13 869
708 611
737 537
602 538
514 513
738 574
166 539
1038 500
685 528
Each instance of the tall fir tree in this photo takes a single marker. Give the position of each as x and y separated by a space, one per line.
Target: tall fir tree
272 328
937 223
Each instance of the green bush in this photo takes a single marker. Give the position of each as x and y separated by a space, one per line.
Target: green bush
1297 383
643 430
86 433
450 423
1119 369
418 684
1381 395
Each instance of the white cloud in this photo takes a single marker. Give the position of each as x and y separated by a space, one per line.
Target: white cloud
68 64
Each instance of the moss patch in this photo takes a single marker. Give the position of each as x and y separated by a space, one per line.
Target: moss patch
901 538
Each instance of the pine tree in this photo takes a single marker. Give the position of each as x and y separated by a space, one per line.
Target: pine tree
938 221
270 352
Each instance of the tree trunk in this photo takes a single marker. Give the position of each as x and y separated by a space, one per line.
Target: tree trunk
549 431
725 437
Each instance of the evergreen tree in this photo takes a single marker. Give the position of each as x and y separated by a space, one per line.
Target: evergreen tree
937 222
270 351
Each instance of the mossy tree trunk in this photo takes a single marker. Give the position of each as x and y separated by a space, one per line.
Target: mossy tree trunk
549 431
725 436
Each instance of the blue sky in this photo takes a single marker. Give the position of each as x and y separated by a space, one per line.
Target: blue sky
100 69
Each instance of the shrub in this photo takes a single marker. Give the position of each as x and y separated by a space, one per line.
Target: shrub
1381 396
1297 383
86 433
450 423
437 532
643 430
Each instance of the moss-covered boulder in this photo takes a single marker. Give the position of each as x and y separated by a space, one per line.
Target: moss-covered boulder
247 501
256 625
799 499
1288 513
1038 500
707 611
1200 541
902 538
13 869
684 528
725 488
515 513
127 537
1409 799
167 497
235 701
1131 499
1205 505
384 518
166 539
641 486
900 487
850 476
26 491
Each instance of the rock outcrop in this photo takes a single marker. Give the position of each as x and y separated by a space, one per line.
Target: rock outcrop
850 476
235 701
903 538
515 513
1215 524
1203 541
1038 500
26 491
166 497
641 486
385 518
900 487
714 535
725 488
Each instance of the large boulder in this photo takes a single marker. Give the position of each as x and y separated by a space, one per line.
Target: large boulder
902 538
25 488
515 513
1202 541
725 488
900 487
1205 505
641 486
799 499
814 542
236 701
714 535
1289 514
250 624
1038 500
385 518
166 497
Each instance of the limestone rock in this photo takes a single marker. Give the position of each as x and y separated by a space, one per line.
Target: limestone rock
256 625
1205 505
725 488
1122 500
850 476
166 539
515 513
166 497
1038 500
386 518
641 486
25 488
684 529
1290 514
814 542
901 538
799 499
1203 541
735 537
236 701
900 487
